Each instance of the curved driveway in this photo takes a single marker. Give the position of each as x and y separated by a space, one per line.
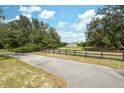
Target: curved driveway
76 74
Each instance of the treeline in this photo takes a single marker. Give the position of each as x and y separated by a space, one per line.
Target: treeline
21 32
107 31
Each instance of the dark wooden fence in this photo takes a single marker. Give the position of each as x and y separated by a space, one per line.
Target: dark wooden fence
85 53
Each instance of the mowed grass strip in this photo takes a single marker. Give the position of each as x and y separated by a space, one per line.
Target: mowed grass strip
73 48
105 62
5 51
17 74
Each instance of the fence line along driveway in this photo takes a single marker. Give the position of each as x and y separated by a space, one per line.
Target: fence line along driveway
77 74
85 53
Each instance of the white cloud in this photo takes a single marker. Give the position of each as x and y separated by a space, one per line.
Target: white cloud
71 36
81 25
46 14
29 9
27 15
26 11
76 30
86 15
84 19
62 24
7 21
17 17
35 8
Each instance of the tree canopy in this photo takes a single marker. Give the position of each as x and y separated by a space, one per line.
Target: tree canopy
108 31
20 32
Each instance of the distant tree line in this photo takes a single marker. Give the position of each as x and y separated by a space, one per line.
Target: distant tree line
108 31
24 31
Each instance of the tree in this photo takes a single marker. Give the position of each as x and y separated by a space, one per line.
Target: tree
2 17
35 23
24 31
82 44
55 38
2 28
107 31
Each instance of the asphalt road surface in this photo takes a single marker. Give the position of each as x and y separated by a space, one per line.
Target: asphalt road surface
77 74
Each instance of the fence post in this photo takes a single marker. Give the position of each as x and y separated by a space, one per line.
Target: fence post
66 52
59 51
74 52
123 56
53 51
102 55
85 53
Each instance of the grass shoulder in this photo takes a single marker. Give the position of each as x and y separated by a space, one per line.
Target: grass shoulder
16 74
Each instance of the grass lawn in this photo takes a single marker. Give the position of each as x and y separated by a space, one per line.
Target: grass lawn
73 48
5 51
17 74
110 63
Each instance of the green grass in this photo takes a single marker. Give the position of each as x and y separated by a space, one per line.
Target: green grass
73 48
5 51
17 74
110 63
119 57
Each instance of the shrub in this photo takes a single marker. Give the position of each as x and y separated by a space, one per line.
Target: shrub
28 48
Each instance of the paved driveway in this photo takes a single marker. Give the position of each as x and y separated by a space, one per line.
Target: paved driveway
78 75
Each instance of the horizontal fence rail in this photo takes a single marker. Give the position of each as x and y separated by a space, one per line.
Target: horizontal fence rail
85 53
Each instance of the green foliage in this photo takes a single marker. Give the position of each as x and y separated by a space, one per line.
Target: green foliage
63 44
27 48
82 44
2 17
17 33
108 31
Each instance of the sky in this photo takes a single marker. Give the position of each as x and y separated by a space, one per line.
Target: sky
69 21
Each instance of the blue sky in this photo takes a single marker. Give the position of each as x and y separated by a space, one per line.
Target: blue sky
70 21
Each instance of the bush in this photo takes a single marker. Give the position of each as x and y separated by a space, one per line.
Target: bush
28 48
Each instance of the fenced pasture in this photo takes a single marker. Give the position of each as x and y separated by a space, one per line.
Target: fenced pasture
86 53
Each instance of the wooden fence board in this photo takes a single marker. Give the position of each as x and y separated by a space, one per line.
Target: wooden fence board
102 55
